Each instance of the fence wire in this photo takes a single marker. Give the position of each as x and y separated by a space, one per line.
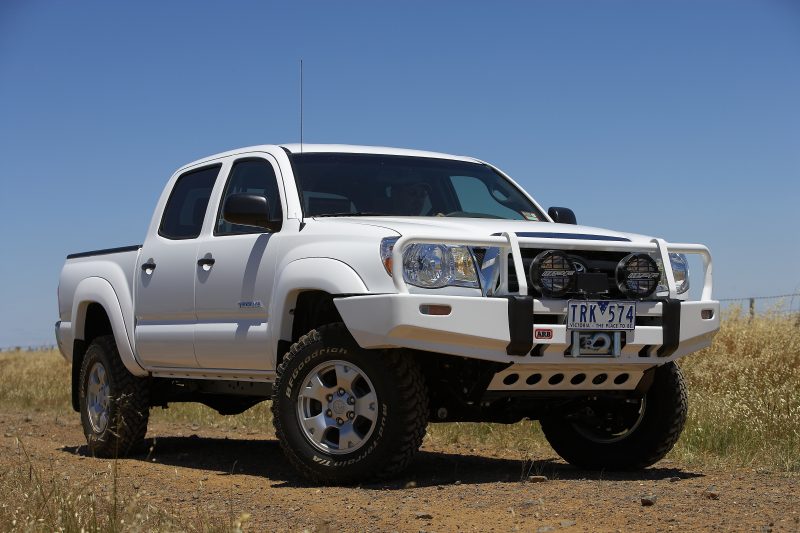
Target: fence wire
784 304
776 297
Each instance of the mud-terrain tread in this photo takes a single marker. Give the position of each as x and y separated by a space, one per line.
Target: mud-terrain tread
643 448
677 419
127 430
410 385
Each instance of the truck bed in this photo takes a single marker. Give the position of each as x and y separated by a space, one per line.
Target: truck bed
109 269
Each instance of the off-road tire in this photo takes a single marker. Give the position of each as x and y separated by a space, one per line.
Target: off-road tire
659 429
128 410
402 413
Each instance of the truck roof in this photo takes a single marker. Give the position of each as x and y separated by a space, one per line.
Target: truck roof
356 149
295 148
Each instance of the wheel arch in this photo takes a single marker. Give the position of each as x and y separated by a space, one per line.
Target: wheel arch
311 283
96 311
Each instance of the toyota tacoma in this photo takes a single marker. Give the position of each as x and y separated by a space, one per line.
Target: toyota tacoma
369 291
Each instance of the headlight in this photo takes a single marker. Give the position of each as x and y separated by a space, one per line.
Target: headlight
680 270
432 265
427 265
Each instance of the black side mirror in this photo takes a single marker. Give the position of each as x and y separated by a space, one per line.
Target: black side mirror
249 210
562 215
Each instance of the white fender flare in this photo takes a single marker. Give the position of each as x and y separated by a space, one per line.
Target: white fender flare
309 274
99 290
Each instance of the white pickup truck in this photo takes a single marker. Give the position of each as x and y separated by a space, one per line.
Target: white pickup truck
368 291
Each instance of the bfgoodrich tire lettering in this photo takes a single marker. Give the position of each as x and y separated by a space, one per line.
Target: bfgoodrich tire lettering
123 401
399 422
653 435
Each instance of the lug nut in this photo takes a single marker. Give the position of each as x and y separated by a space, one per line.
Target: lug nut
328 413
351 415
351 400
339 421
341 392
329 397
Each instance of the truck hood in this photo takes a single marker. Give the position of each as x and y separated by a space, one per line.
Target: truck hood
479 227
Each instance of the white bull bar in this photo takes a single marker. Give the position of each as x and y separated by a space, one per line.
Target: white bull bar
479 327
510 242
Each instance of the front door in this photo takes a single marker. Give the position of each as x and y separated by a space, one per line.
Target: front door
234 276
165 275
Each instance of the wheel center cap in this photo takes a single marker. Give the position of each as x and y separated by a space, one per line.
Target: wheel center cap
339 406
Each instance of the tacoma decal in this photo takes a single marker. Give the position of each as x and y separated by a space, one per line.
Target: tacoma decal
251 304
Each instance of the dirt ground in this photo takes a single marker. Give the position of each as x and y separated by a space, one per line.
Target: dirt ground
195 470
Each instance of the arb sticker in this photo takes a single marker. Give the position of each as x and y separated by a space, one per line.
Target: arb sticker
545 334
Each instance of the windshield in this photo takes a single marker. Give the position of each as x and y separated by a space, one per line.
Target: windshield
333 184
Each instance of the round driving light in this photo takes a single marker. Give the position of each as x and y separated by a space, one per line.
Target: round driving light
552 273
638 275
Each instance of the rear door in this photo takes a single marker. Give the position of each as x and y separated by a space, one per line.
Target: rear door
165 275
235 272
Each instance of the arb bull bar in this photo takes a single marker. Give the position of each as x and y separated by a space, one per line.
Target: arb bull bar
501 327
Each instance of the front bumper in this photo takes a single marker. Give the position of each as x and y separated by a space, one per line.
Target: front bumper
490 328
505 329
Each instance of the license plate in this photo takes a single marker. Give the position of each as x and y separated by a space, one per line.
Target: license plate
601 315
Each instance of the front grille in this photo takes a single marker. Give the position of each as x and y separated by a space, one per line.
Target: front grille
593 261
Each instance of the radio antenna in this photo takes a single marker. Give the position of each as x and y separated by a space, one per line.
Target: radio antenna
301 106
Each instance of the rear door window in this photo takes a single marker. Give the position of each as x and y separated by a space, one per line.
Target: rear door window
187 204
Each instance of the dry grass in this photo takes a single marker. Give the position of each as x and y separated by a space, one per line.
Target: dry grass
37 499
38 381
744 411
744 395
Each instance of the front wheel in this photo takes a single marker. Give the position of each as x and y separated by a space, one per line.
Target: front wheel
343 414
623 434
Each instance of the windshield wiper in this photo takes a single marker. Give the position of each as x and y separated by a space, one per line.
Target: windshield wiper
356 214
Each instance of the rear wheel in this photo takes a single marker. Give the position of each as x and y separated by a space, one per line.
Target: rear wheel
343 414
114 404
623 433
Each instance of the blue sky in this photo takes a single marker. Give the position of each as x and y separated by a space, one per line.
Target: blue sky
678 119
